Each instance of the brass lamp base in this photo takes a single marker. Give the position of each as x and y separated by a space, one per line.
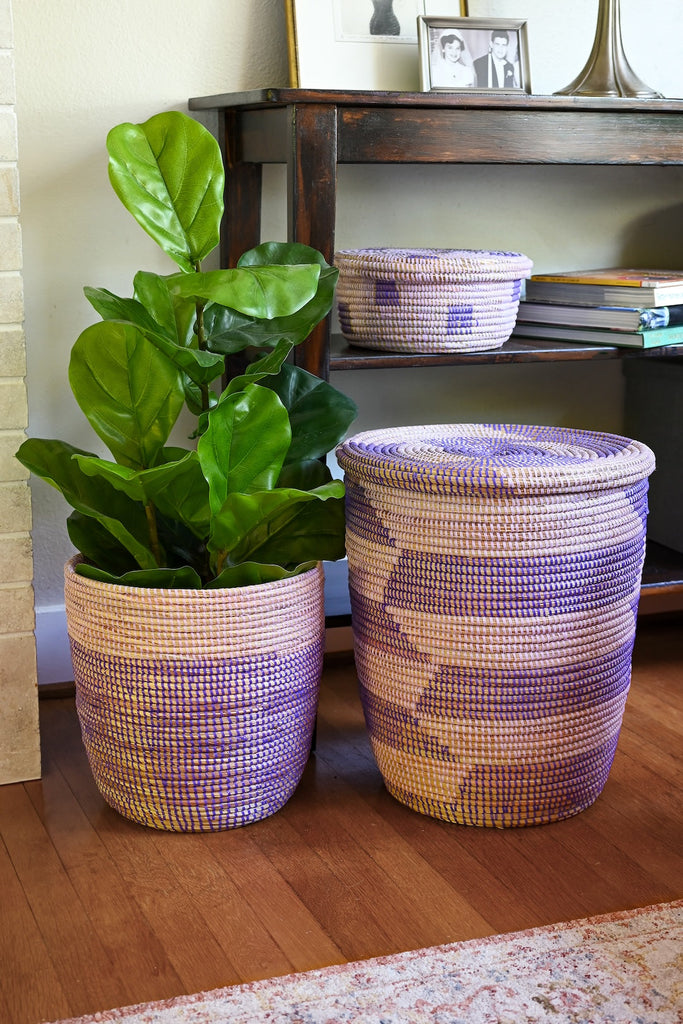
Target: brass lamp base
607 71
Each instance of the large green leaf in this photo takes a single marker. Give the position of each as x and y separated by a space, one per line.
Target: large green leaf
114 307
267 365
283 254
292 254
245 443
55 462
128 390
249 525
167 324
175 316
98 545
182 578
229 331
168 173
319 414
248 574
305 475
256 291
176 487
316 531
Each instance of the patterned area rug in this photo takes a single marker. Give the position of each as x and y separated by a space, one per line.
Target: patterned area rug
623 968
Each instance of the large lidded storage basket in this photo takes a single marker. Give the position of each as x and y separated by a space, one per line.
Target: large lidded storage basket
196 707
429 300
494 573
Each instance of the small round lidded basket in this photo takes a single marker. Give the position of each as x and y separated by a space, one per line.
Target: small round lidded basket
429 300
494 573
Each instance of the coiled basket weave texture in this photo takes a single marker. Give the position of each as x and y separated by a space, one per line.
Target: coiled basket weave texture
196 707
429 300
494 573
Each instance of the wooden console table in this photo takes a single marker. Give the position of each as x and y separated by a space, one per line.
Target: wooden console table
313 131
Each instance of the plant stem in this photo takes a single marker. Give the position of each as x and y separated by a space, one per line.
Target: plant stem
151 515
201 345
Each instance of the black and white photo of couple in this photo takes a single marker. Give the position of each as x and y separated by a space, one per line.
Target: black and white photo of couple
461 58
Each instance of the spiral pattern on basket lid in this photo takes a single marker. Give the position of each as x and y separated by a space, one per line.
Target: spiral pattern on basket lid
495 458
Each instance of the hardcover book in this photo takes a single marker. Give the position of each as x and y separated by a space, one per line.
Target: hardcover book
617 318
621 276
608 287
594 336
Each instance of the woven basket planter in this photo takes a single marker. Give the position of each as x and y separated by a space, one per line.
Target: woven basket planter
197 707
429 300
494 575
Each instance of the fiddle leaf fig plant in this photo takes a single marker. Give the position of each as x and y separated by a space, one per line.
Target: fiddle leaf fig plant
248 499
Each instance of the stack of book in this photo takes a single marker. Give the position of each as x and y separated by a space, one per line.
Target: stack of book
614 306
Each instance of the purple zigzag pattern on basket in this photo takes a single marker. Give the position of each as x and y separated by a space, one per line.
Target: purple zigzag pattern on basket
483 694
551 789
373 625
572 784
387 292
503 451
362 518
459 318
562 584
399 728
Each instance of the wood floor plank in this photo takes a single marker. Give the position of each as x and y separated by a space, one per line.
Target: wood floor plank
30 985
642 844
169 920
589 884
436 842
297 932
124 932
634 882
425 892
343 914
59 914
632 785
494 880
206 870
194 951
656 750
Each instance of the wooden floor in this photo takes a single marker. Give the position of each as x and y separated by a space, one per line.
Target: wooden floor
97 912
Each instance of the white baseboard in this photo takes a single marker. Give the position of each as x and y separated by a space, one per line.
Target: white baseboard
52 645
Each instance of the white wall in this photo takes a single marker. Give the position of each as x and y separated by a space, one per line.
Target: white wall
85 65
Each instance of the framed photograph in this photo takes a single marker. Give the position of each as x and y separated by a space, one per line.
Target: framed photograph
473 54
355 44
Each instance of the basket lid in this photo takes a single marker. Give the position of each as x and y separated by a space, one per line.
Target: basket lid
504 459
448 265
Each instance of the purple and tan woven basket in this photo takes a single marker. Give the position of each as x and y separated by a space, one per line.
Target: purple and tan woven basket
494 573
429 300
196 707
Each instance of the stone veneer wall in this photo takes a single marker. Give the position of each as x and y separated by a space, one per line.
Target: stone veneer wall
19 738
